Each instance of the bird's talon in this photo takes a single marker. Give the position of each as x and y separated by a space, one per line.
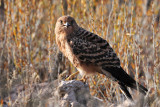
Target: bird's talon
72 75
83 79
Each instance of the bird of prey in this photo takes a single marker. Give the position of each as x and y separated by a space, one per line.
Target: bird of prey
90 54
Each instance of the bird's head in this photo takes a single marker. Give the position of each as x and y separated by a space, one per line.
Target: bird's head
66 25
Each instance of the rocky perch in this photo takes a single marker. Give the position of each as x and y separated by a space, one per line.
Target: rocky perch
57 93
76 94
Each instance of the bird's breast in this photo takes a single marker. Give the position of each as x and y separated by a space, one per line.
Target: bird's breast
67 50
70 55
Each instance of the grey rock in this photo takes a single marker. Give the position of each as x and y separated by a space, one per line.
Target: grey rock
76 92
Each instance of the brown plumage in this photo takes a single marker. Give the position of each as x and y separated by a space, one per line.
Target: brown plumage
90 53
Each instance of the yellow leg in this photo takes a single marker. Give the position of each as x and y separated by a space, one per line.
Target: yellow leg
83 79
72 75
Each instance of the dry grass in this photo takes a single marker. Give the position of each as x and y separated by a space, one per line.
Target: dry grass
28 53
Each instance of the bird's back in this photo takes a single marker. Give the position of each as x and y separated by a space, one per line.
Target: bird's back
91 48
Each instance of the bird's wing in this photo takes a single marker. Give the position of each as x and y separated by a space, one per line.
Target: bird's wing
90 48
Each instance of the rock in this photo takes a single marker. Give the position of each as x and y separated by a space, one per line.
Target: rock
54 94
95 102
76 92
76 104
65 103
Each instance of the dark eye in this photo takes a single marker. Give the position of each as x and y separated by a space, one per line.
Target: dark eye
72 21
61 21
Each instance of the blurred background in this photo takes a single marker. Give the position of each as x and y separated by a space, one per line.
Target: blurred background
29 54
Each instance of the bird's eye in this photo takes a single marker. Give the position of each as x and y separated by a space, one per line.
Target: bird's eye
72 21
61 21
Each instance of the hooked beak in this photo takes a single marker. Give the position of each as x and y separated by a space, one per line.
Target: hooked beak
66 24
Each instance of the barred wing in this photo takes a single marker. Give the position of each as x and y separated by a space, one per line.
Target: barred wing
90 48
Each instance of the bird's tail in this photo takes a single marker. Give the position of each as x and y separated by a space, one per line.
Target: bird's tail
125 80
132 83
125 90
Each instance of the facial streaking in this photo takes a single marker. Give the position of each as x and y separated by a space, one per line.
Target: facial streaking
65 24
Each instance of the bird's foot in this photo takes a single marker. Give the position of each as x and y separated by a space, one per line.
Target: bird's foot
83 79
72 75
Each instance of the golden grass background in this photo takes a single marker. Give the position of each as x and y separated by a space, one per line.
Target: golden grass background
28 53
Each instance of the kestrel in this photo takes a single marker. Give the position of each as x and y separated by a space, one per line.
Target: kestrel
90 54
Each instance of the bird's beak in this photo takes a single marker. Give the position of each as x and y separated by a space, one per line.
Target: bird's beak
67 24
